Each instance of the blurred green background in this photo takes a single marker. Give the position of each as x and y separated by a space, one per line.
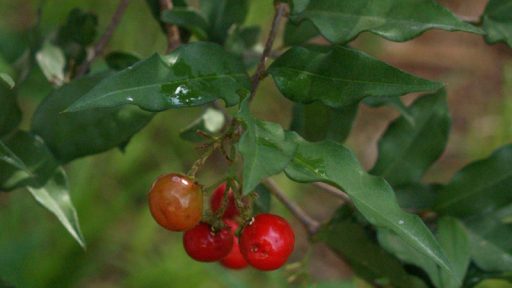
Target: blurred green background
125 246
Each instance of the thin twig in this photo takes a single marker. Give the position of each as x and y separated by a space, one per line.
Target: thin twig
173 34
281 9
309 223
334 191
105 38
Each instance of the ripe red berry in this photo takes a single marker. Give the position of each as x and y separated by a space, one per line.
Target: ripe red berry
216 201
234 260
176 202
267 242
203 244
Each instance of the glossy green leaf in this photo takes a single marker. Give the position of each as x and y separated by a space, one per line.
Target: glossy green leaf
316 121
222 15
368 260
24 160
454 240
407 150
479 187
52 62
77 134
340 77
192 75
265 147
497 21
395 20
188 19
120 60
334 164
10 113
491 248
54 196
210 123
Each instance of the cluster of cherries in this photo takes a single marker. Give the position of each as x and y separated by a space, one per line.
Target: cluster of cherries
265 242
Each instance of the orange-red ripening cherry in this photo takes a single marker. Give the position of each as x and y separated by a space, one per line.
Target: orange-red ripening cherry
203 244
267 242
234 260
216 201
176 202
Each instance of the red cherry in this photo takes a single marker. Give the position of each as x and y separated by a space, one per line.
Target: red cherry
267 242
234 260
216 201
176 202
203 244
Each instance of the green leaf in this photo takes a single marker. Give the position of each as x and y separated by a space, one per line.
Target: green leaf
263 202
7 79
334 164
296 34
395 20
392 102
210 123
265 147
494 283
10 113
24 160
454 240
73 135
79 28
407 150
479 187
120 60
368 260
497 22
491 248
192 75
222 15
316 121
54 196
188 19
340 77
52 62
416 197
155 7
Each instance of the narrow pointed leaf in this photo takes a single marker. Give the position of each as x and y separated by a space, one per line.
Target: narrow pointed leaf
395 20
369 261
54 196
407 150
480 187
265 147
24 160
192 75
334 164
77 134
340 77
497 22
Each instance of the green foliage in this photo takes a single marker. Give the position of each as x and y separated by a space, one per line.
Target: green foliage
407 150
497 22
346 237
180 79
222 15
73 135
52 61
188 19
10 114
332 163
334 77
210 123
342 21
120 60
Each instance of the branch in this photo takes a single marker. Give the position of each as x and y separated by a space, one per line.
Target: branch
173 34
334 191
281 9
105 38
309 223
